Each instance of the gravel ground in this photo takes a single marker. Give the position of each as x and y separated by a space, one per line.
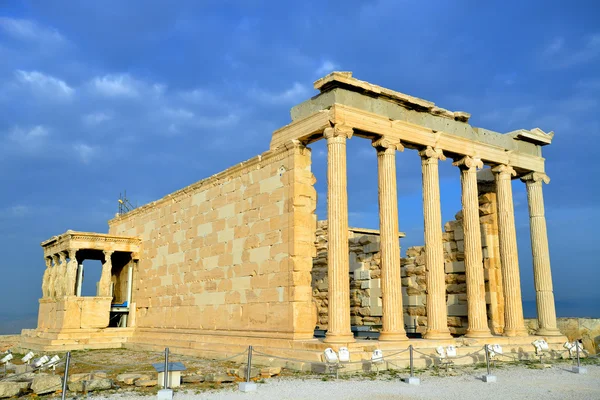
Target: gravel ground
515 382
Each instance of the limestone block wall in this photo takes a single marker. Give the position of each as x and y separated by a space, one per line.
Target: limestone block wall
232 252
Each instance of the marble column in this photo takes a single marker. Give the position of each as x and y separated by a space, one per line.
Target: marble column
338 270
46 278
71 275
105 278
476 307
542 275
514 325
391 284
53 275
437 310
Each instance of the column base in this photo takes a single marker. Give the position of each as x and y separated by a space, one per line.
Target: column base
548 332
339 338
393 336
515 332
437 335
478 334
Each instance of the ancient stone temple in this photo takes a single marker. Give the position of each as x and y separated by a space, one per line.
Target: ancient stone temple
238 258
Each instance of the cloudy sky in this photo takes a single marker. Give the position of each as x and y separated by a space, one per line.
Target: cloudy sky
98 97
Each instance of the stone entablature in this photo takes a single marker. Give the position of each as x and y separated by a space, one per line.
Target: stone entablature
73 240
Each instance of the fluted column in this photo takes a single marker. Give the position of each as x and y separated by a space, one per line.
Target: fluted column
46 278
391 284
53 275
338 270
61 272
476 307
514 325
437 310
105 278
542 275
71 276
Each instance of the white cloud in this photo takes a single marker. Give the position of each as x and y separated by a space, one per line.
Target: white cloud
30 140
18 210
96 118
45 85
294 94
120 85
85 152
326 67
558 55
24 29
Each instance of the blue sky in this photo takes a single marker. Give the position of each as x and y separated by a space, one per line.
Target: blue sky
150 96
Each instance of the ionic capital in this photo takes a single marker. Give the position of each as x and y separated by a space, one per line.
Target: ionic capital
535 177
338 130
431 152
387 144
504 169
469 163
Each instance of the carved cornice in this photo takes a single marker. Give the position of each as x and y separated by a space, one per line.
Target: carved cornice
431 152
387 143
535 177
71 241
338 130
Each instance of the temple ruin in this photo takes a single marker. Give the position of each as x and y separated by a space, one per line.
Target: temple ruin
239 259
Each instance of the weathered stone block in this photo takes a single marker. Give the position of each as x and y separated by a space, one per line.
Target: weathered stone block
452 267
44 384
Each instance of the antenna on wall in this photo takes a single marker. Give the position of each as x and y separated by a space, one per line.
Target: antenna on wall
124 204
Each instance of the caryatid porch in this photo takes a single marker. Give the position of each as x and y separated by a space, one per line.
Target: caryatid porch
62 305
394 121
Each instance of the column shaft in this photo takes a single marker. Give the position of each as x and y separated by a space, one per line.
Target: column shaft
391 284
338 269
437 310
60 278
52 279
514 325
542 275
476 307
46 278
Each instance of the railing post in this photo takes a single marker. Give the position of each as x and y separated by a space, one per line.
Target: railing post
489 377
249 366
578 369
66 376
411 380
166 378
248 386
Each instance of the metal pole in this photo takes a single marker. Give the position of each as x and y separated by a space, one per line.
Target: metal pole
577 350
487 359
166 379
410 351
249 366
66 376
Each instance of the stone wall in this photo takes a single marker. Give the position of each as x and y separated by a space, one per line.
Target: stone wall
365 285
232 252
586 329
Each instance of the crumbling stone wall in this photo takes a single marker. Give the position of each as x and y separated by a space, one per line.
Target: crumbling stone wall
365 274
232 252
365 284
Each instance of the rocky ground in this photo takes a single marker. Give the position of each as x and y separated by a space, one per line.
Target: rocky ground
125 374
